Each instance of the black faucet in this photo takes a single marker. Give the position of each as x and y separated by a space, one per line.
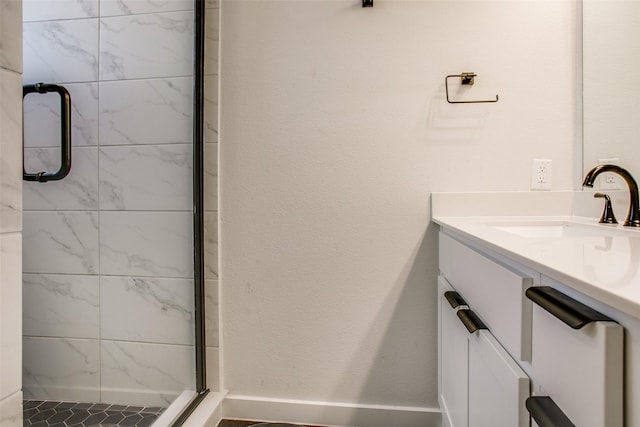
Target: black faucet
633 217
607 214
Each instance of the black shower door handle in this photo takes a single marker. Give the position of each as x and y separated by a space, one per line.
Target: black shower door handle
65 133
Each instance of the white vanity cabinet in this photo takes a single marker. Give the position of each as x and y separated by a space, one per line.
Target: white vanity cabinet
538 351
578 360
497 293
453 357
498 387
480 384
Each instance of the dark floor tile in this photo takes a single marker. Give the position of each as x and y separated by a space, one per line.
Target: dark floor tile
83 405
113 418
95 419
66 405
59 417
49 404
47 413
147 420
28 404
131 420
78 416
73 414
28 413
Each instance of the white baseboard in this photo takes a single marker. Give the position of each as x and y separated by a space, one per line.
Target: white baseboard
327 413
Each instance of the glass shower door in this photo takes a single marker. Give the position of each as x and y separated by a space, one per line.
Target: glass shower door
108 251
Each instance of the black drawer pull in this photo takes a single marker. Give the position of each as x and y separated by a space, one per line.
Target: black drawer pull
454 298
470 320
571 312
546 413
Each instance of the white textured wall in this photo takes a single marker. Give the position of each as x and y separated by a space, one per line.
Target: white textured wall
334 132
10 213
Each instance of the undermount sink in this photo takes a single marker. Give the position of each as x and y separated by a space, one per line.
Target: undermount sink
545 229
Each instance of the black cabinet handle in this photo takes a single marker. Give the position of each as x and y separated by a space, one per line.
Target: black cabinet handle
454 299
571 312
65 133
546 413
470 320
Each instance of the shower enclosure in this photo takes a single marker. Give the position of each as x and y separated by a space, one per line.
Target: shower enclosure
112 297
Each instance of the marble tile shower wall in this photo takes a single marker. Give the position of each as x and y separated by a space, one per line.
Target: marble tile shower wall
10 213
108 251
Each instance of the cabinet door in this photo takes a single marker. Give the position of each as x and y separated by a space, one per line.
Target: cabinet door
498 387
581 369
453 362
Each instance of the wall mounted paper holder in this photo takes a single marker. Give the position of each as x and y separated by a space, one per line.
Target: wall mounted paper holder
465 79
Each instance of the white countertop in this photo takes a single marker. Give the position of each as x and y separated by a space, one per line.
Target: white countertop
604 267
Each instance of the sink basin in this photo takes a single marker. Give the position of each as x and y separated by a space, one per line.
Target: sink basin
559 229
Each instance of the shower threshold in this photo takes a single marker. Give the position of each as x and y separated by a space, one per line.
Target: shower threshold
48 413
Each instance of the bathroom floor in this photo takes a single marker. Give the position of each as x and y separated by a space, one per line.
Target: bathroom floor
39 413
240 423
235 423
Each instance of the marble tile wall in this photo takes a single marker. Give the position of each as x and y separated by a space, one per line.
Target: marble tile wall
10 213
108 251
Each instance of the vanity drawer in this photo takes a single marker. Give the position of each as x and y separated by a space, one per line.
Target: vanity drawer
493 290
579 366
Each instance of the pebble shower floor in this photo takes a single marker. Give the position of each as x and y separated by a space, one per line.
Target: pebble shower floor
46 413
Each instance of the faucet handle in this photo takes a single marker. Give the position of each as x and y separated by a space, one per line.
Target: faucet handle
607 214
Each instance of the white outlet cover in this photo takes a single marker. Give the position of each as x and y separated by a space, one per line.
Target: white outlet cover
541 174
608 180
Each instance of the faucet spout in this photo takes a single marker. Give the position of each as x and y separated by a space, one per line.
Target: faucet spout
633 217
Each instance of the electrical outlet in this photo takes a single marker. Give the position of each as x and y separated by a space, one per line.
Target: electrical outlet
608 180
541 173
